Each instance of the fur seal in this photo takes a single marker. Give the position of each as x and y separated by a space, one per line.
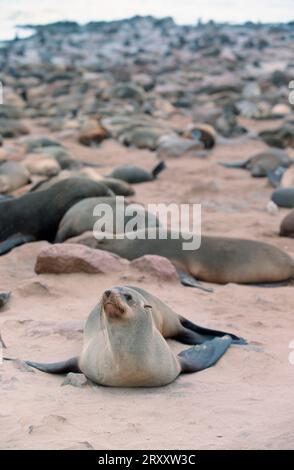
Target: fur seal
287 225
13 175
134 174
79 218
280 137
42 165
262 163
119 187
219 259
124 342
284 197
35 216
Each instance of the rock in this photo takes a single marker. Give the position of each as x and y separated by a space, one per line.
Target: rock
157 266
72 258
76 380
92 132
272 208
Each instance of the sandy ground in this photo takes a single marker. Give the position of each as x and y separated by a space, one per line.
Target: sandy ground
245 401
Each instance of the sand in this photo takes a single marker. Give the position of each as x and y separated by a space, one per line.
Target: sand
244 402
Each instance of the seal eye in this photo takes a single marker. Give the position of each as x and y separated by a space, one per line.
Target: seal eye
128 297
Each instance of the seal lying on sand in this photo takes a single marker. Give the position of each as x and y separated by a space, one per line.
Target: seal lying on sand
80 218
119 187
35 216
219 259
284 197
13 175
262 163
287 225
124 342
134 174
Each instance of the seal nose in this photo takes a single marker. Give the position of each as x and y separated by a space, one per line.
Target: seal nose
107 293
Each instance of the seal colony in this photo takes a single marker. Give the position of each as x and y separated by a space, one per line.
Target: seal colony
99 110
125 342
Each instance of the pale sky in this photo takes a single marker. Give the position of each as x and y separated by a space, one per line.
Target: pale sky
183 11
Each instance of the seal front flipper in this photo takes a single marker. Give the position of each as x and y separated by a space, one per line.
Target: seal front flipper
158 169
63 367
203 356
195 334
190 281
15 240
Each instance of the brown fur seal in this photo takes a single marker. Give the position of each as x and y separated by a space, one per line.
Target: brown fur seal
35 216
124 342
262 163
80 218
13 175
40 164
219 259
287 225
134 174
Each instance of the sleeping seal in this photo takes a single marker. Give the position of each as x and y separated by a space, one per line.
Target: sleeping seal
134 174
262 163
219 259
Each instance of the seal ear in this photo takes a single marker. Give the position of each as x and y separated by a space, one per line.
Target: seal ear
63 367
203 356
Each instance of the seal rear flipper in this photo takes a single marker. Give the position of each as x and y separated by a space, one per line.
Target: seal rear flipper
201 357
14 241
158 169
202 334
241 164
190 281
63 367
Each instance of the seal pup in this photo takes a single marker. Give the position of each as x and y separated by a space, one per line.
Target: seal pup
134 174
262 163
218 259
287 225
124 342
35 216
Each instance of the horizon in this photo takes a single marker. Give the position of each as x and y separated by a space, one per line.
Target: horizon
21 12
